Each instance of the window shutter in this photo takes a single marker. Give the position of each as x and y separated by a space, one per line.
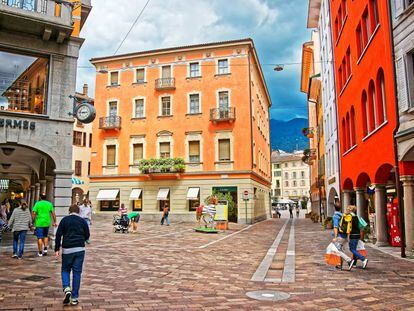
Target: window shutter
194 148
164 147
224 149
138 153
402 85
110 155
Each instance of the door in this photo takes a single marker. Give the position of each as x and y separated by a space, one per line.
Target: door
113 111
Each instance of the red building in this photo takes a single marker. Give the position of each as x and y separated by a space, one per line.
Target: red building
366 107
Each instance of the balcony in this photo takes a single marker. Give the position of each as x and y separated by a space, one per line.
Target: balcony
165 84
110 123
49 19
223 114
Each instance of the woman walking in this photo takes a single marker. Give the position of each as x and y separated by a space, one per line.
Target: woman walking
20 221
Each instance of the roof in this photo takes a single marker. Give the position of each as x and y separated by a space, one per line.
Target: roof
286 157
314 8
172 49
84 97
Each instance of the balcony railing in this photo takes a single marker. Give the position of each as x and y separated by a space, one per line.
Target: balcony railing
39 6
111 122
223 114
165 84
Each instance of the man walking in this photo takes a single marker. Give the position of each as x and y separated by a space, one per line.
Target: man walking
42 213
355 235
75 232
290 210
165 213
340 238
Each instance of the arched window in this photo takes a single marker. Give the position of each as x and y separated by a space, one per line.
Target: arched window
348 136
381 97
365 114
373 124
353 129
344 143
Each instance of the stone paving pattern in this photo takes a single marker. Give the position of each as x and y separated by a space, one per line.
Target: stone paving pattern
163 268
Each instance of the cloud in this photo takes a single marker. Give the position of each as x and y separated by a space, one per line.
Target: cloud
278 28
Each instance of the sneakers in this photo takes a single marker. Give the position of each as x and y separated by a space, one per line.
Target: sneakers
39 254
45 251
68 295
351 265
14 256
74 301
364 263
19 258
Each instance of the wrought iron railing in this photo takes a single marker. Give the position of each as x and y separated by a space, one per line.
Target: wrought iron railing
165 83
111 122
223 114
39 6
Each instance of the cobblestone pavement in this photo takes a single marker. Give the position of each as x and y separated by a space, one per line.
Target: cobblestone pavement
174 268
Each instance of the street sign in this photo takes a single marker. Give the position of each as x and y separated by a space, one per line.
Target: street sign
246 195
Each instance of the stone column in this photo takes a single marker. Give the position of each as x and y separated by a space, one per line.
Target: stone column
346 199
63 192
50 188
408 184
32 196
360 202
381 215
37 192
28 197
42 186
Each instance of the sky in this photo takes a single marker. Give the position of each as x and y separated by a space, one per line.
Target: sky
278 28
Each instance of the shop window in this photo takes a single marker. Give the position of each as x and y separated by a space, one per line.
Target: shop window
137 202
224 149
114 78
110 205
165 200
194 151
24 83
77 138
140 75
193 203
111 155
137 153
165 150
78 168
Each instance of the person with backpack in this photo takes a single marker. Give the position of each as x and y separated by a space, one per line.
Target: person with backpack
340 238
356 233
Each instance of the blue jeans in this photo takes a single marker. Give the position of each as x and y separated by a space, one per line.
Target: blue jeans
165 218
19 235
353 243
72 262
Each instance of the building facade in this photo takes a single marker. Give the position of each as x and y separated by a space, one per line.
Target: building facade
290 177
39 47
81 153
366 107
403 34
204 106
319 17
315 155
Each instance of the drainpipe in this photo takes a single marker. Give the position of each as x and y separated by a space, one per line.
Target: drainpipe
398 184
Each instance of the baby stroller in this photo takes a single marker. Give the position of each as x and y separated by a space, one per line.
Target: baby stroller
121 223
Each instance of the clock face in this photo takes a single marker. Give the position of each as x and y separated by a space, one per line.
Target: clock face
85 113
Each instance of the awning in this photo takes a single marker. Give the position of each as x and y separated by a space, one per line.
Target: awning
163 194
77 181
135 194
4 184
192 193
107 195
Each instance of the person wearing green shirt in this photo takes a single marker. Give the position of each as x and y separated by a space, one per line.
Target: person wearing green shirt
133 221
41 214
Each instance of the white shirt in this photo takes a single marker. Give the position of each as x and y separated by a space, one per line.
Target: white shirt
85 211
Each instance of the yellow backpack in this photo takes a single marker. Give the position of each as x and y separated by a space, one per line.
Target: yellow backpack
345 224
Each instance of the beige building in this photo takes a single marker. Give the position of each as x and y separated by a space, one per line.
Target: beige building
290 176
81 160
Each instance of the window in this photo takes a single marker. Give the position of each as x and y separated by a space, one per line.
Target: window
114 78
347 129
137 153
294 175
165 106
194 70
139 108
286 183
348 63
137 202
140 75
360 40
23 82
286 165
193 203
294 183
110 155
165 150
286 175
344 136
278 173
224 101
90 140
365 114
302 183
106 205
194 151
224 149
373 124
294 164
166 72
366 28
223 66
381 97
302 174
165 201
277 183
77 138
353 127
84 140
89 168
277 165
113 108
194 103
374 13
78 168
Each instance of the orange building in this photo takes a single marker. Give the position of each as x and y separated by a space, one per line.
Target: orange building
176 125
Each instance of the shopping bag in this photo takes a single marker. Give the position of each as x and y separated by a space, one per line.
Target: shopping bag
361 248
332 257
361 223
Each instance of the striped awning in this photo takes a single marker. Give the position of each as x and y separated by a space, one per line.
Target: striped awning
4 184
77 181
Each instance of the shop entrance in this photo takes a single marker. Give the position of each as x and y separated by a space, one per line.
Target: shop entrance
229 192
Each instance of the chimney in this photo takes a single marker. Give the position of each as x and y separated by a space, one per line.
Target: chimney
85 89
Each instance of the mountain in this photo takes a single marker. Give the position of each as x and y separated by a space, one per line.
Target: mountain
287 135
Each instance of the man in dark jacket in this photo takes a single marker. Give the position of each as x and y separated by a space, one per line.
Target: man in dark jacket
75 231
